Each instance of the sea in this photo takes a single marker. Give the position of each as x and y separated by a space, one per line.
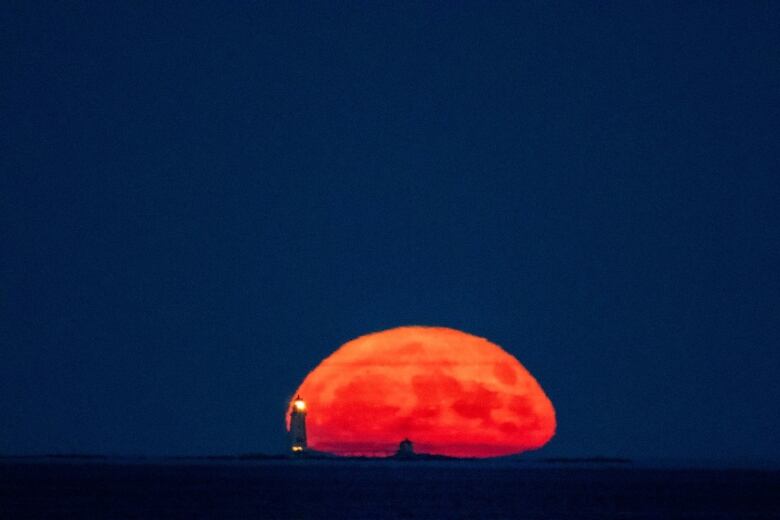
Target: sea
379 489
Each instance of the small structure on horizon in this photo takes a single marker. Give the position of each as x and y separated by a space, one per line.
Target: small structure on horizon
298 426
405 449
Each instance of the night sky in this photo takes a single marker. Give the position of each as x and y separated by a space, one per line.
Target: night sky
198 204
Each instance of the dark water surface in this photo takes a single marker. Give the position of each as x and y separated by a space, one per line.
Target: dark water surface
382 489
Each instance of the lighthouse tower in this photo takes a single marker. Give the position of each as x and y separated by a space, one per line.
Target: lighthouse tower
298 425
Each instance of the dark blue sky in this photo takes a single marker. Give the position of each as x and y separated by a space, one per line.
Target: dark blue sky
200 203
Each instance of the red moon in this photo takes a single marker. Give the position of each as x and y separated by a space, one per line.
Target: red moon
449 392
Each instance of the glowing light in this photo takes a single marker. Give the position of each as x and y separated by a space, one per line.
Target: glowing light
300 405
449 392
297 448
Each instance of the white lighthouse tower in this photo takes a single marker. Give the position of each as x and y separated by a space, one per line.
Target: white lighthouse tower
298 425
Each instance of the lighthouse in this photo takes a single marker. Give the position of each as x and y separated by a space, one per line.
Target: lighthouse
298 425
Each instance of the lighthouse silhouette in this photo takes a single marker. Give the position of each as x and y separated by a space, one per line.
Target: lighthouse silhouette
298 425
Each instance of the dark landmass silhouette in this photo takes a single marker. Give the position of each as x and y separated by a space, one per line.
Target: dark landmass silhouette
63 456
318 455
586 460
